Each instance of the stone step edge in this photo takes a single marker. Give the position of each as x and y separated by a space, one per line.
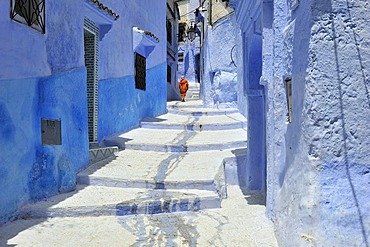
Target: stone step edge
182 111
193 127
218 184
181 147
145 184
135 207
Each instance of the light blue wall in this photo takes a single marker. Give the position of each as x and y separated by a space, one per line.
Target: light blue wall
116 59
251 94
122 106
36 54
219 79
318 165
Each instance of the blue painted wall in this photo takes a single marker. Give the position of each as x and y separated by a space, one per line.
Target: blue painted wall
318 165
122 106
43 76
251 93
219 78
30 171
18 139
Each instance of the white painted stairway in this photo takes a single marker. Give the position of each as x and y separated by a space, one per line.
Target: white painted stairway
174 162
163 188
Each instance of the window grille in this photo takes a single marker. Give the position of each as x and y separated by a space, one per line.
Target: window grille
140 71
29 12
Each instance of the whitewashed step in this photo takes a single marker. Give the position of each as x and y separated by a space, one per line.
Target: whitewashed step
150 170
196 108
106 201
179 140
186 104
196 123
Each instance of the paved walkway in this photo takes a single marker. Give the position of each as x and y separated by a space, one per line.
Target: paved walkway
173 183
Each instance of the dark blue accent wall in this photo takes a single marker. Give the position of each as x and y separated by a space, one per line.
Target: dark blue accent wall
122 106
28 170
256 152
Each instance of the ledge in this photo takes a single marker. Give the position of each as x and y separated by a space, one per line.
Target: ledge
144 42
101 15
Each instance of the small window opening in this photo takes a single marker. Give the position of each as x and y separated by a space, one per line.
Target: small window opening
288 90
169 74
169 32
181 57
140 72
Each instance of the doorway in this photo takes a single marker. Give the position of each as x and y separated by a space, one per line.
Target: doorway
91 34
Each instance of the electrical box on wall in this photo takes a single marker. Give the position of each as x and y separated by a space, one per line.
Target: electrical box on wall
51 132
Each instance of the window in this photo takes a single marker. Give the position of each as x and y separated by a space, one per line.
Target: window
288 91
181 32
140 71
181 57
169 32
169 74
29 12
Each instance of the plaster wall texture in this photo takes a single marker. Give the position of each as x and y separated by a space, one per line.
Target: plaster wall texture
29 92
121 106
117 57
43 76
189 67
37 54
251 92
30 171
219 85
173 17
320 160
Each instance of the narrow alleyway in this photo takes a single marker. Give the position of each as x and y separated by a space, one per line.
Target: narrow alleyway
174 183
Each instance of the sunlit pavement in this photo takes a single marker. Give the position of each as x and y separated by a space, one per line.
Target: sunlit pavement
174 183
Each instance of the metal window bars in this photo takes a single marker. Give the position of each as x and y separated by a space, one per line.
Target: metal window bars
140 71
29 12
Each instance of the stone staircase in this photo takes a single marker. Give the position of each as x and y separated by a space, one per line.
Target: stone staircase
173 163
174 182
193 91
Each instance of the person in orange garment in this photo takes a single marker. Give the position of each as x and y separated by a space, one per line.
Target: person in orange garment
183 86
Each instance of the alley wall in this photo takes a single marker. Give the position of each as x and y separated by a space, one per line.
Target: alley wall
43 76
320 165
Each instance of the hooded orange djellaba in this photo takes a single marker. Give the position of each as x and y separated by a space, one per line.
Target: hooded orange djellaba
183 86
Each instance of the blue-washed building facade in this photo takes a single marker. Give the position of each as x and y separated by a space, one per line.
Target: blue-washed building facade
72 72
189 37
305 70
231 70
172 31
